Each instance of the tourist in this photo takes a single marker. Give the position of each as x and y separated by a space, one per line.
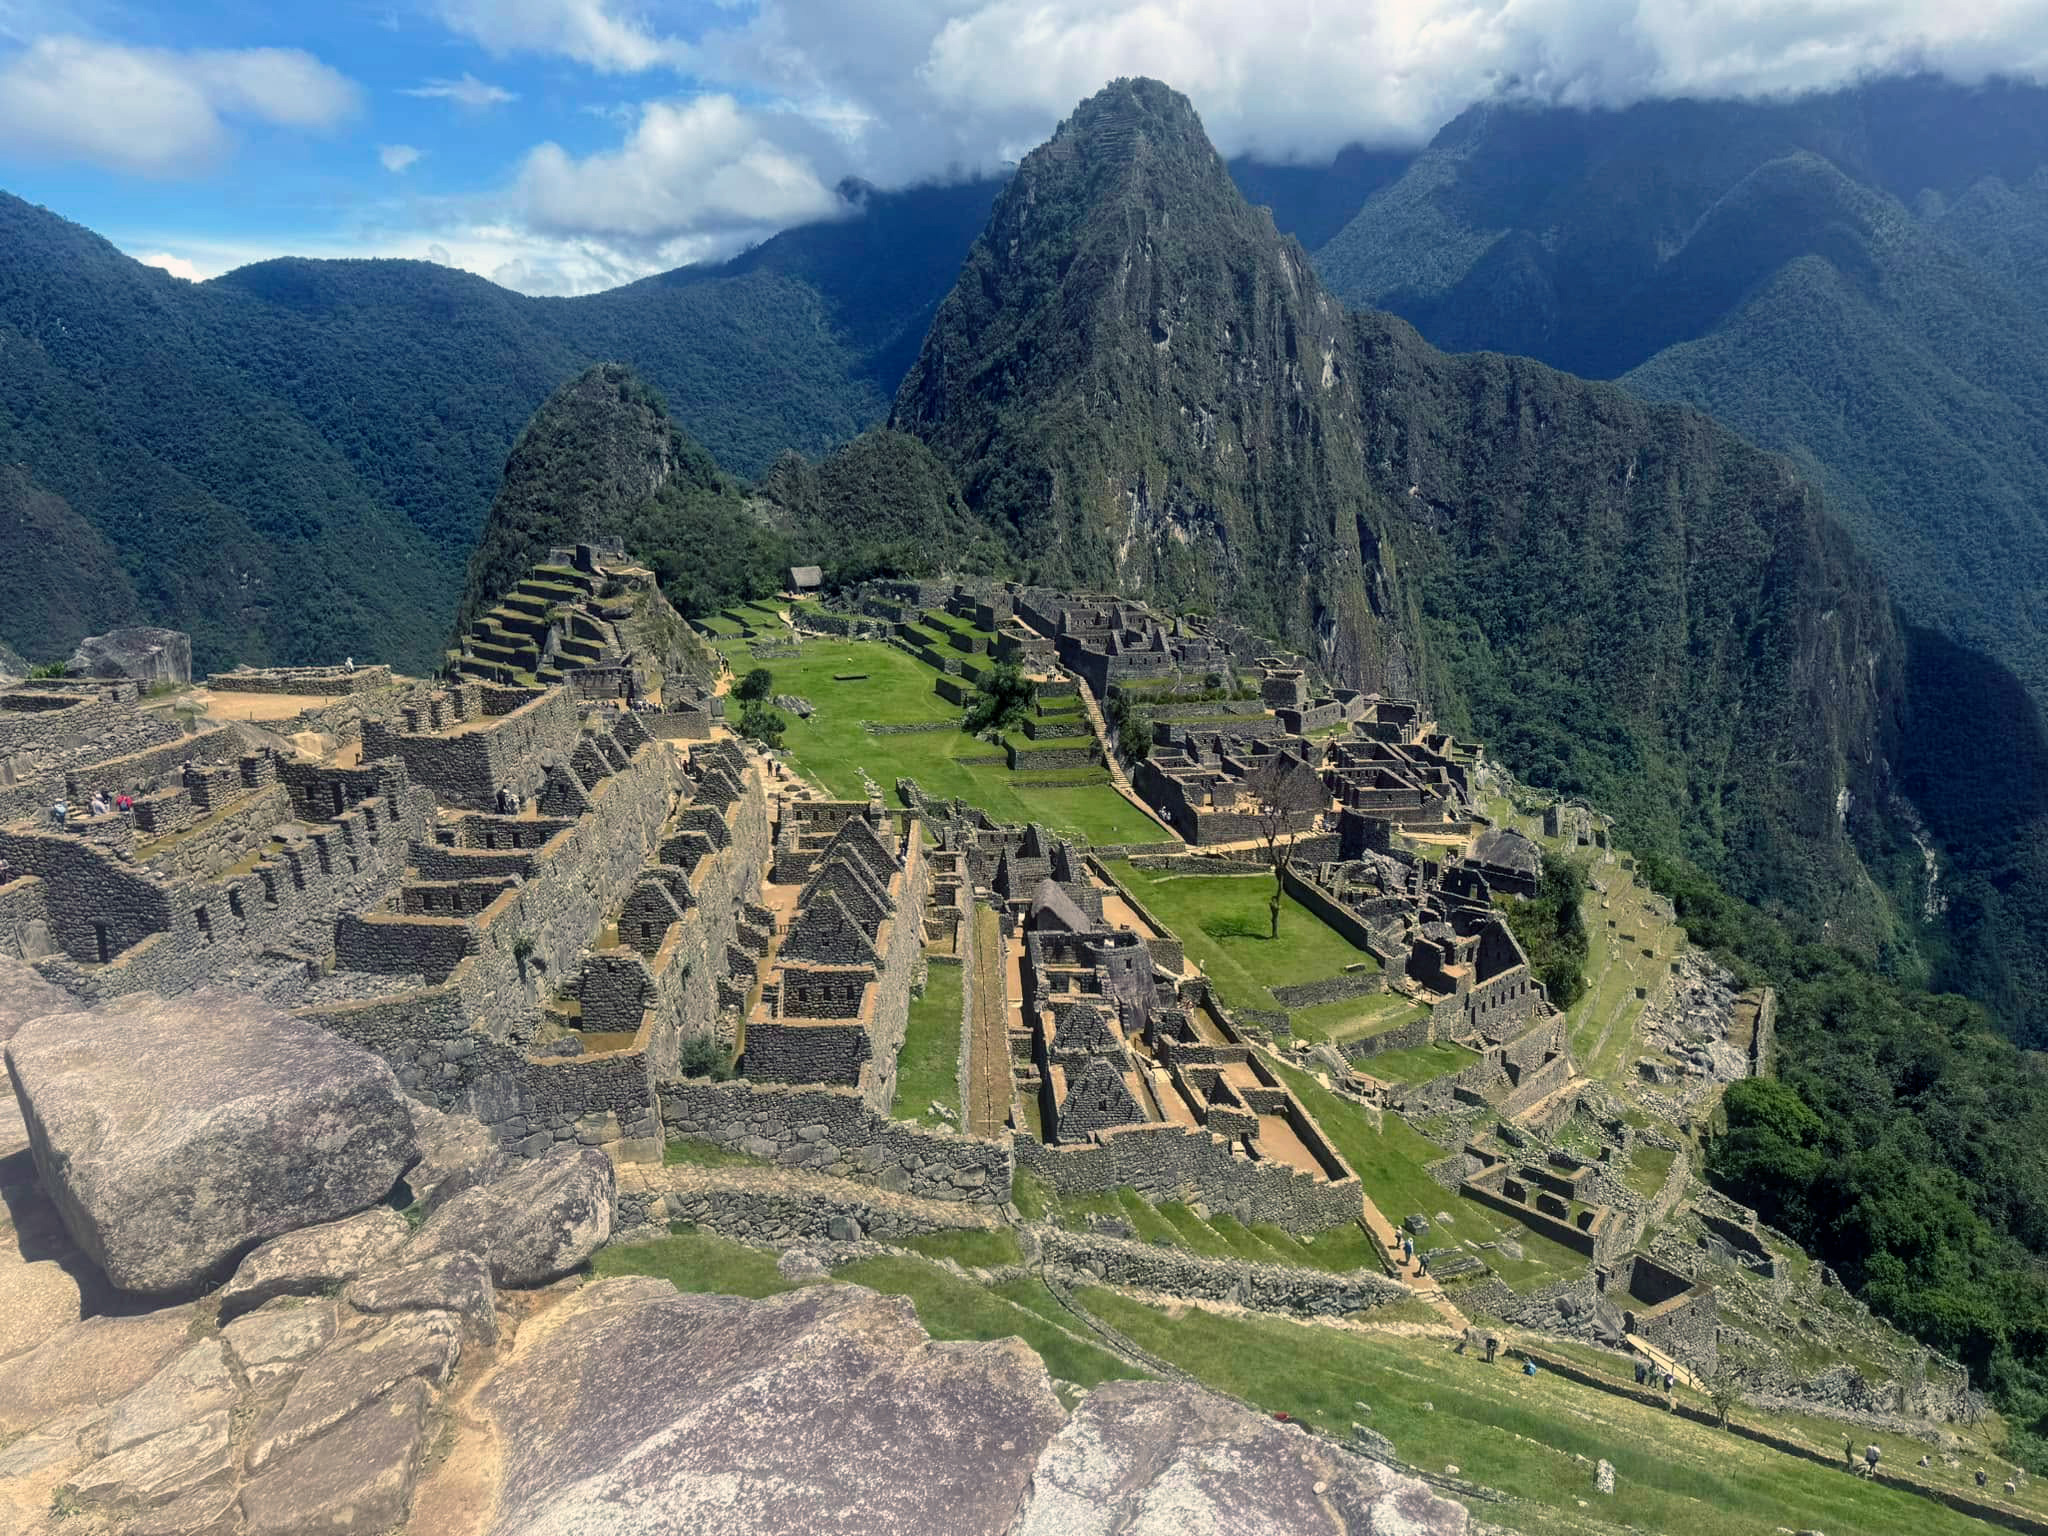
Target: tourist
1870 1454
1642 1373
99 803
60 813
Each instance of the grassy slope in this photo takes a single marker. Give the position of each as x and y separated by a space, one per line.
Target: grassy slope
1223 923
927 1069
833 748
1534 1437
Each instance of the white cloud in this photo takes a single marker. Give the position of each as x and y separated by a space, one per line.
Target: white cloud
398 158
694 168
177 266
507 254
465 91
155 111
943 83
592 32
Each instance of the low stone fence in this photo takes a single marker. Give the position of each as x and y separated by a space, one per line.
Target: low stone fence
1307 994
831 1130
315 681
1240 1282
779 1205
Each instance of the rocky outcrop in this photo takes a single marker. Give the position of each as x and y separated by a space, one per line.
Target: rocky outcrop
313 1260
645 1412
533 1224
174 1135
1148 1458
143 655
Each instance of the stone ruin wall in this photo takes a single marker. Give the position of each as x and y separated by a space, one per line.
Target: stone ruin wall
291 903
833 1130
1093 1259
529 1102
312 681
1173 1162
464 770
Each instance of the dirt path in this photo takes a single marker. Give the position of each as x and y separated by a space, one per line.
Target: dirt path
987 1109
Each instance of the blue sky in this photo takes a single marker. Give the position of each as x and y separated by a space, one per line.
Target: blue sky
560 146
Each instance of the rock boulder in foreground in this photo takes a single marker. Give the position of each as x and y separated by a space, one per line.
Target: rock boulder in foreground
1153 1458
175 1134
646 1413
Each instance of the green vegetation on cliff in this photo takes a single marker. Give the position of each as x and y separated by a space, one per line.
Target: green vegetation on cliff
1904 1142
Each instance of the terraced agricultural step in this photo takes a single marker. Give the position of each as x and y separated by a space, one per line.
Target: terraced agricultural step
512 621
531 604
489 650
564 576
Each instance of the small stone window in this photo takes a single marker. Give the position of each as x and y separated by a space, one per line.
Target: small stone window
205 923
235 903
490 840
647 930
103 940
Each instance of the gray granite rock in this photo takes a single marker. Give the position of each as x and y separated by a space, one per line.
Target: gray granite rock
36 1300
456 1152
1149 1458
159 1469
356 1478
25 995
313 1259
355 1372
274 1341
212 1510
457 1282
194 1385
144 654
533 1223
174 1134
70 1439
642 1414
89 1364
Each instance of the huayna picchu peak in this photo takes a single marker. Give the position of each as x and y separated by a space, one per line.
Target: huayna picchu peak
1147 387
1111 898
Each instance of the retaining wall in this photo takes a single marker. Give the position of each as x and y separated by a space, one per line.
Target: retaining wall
832 1130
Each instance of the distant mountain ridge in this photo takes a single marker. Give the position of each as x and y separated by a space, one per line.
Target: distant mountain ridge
1856 278
294 461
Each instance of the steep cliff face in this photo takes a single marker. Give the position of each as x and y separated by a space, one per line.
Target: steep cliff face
1147 387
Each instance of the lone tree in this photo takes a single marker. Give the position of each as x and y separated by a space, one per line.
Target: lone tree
1279 794
760 723
755 685
1002 697
1724 1391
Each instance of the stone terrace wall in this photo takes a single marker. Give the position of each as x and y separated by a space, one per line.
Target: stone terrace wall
465 769
832 1131
778 1205
443 1041
1172 1162
24 918
529 1105
290 902
316 681
1239 1282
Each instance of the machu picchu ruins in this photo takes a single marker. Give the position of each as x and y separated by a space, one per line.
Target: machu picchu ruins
613 951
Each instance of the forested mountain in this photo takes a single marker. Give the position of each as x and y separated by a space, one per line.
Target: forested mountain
1855 278
604 458
1146 386
293 461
